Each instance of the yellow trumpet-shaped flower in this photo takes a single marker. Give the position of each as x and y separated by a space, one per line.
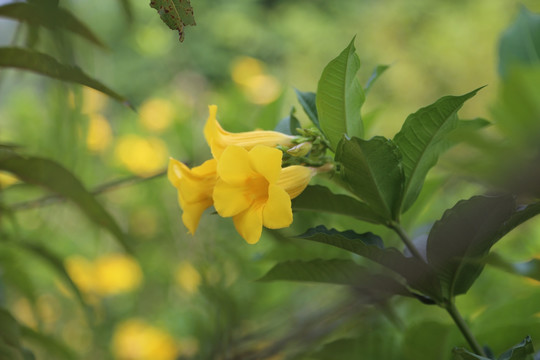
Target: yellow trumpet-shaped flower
218 139
195 187
255 191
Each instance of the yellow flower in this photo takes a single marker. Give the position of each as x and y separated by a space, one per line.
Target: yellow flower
255 191
195 187
218 139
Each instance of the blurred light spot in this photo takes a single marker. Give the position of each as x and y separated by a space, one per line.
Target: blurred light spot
81 272
49 310
187 277
116 273
135 340
77 335
262 89
245 68
6 179
99 133
143 222
153 40
156 115
142 156
93 101
23 312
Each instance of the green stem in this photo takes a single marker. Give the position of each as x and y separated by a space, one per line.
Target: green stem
403 236
462 325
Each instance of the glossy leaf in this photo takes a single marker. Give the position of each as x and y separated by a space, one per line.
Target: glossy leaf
52 17
320 199
370 246
55 177
46 65
377 72
340 97
372 170
176 14
464 234
520 42
308 102
419 141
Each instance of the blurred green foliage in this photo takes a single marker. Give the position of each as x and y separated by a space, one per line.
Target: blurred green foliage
196 297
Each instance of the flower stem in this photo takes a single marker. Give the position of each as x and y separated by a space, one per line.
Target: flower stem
408 243
462 325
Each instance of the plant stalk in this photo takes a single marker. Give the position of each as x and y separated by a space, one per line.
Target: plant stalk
408 243
462 325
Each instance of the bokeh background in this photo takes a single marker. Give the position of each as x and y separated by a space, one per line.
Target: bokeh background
196 297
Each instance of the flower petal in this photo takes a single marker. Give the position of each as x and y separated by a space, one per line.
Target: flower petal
192 213
249 224
230 200
266 161
234 166
294 179
277 212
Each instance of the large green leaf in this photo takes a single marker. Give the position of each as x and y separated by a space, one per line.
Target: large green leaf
420 141
46 65
373 171
417 273
52 17
463 235
55 177
340 97
176 14
520 42
309 104
320 199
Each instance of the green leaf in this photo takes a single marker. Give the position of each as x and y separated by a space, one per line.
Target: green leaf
377 72
289 125
52 17
520 42
463 354
128 10
530 269
308 102
420 141
175 14
55 177
372 170
370 246
340 97
463 235
10 333
46 65
54 347
522 351
320 199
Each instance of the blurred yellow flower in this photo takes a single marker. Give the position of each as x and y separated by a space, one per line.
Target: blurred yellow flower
136 340
93 101
142 156
115 274
187 277
99 133
195 187
245 68
6 179
251 189
108 275
156 115
218 139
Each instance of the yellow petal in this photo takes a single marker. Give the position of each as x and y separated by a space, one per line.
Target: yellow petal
266 161
249 224
219 139
277 212
192 213
294 179
230 200
234 166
